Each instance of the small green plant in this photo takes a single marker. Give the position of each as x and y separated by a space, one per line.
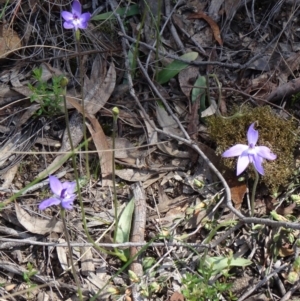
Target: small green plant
27 278
29 273
49 96
198 288
202 287
295 99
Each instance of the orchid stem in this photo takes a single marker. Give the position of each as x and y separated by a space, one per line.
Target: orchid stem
87 167
254 191
115 112
62 214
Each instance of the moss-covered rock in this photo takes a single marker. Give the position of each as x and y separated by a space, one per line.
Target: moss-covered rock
279 134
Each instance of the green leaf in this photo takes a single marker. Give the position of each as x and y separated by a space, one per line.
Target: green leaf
124 225
132 58
199 92
220 263
132 10
175 67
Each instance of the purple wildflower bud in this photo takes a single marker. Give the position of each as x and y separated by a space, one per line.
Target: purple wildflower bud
63 194
75 19
250 153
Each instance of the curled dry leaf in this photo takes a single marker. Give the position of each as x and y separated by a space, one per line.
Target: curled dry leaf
186 78
37 225
213 25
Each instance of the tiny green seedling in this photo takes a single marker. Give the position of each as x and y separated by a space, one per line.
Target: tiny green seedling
29 273
49 96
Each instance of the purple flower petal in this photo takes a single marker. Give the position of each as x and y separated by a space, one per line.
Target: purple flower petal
243 162
265 152
55 185
68 25
82 25
68 204
85 17
49 202
67 16
69 186
257 162
235 150
252 135
76 8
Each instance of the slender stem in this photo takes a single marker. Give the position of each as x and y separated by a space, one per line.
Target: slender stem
62 214
87 167
115 112
254 191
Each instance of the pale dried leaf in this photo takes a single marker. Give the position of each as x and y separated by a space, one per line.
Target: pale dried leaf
48 72
151 181
124 148
134 175
186 77
87 261
103 93
166 121
37 225
76 126
99 280
150 126
171 148
211 110
105 155
101 144
9 175
62 255
91 85
9 41
15 78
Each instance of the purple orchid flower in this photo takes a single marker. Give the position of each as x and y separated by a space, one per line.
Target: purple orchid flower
250 153
75 19
63 194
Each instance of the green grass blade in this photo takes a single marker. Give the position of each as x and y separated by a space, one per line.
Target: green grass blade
123 12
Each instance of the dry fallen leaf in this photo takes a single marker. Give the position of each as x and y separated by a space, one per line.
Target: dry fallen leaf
134 175
186 78
62 255
103 91
101 144
284 251
105 155
177 297
9 41
37 225
213 25
238 190
9 175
